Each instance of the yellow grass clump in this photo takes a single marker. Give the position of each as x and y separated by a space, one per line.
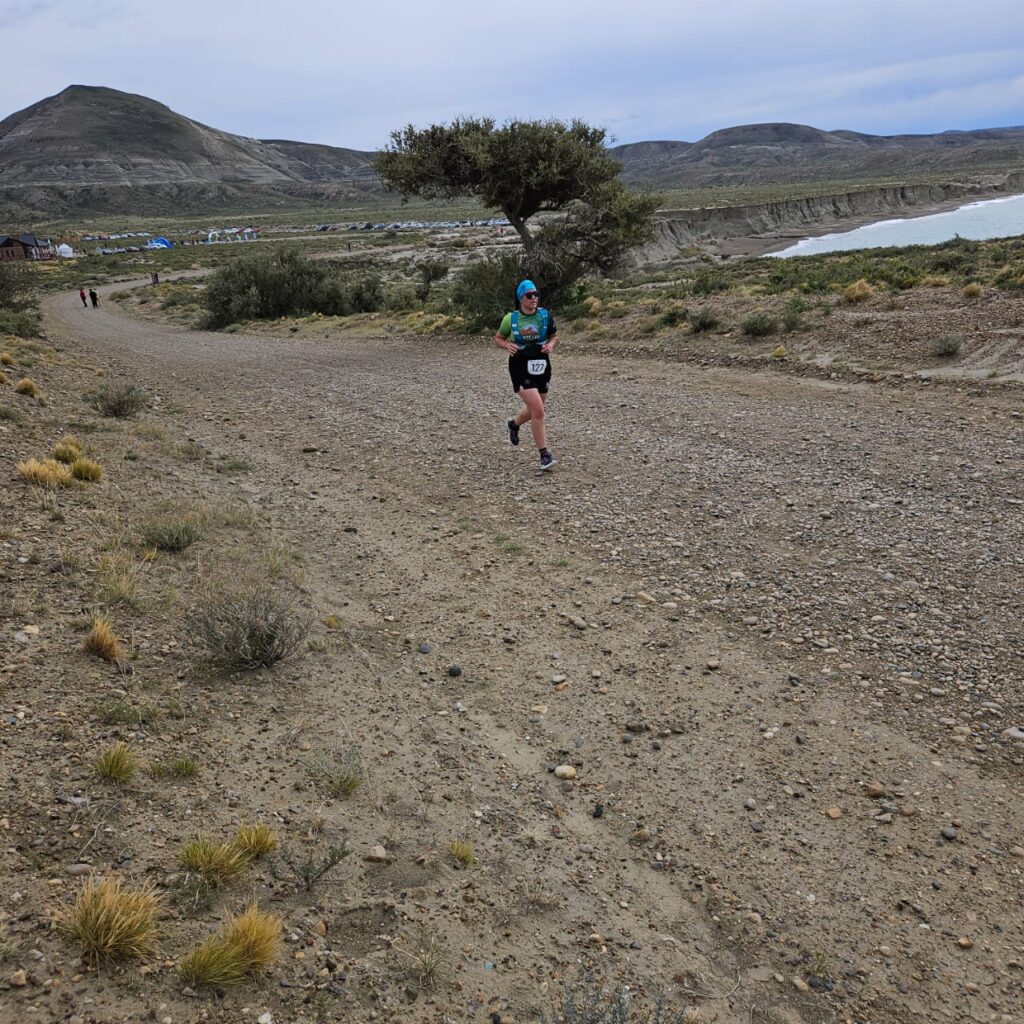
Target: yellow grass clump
461 851
117 764
48 473
102 641
3 377
27 386
68 449
255 840
246 945
87 470
111 921
972 290
6 359
859 291
216 864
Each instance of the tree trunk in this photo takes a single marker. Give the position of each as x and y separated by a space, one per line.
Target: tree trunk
522 230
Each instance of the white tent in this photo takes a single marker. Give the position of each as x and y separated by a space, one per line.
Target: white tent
65 250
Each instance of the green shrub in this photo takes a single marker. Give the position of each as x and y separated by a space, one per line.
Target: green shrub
947 346
171 533
119 400
485 291
284 283
428 272
707 282
702 319
674 315
25 323
758 325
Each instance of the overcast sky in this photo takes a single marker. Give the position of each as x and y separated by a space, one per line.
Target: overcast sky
347 75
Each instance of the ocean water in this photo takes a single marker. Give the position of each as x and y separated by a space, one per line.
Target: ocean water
991 218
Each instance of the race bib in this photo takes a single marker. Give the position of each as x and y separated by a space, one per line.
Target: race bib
536 367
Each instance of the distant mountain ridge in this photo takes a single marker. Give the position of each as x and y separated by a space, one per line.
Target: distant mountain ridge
92 149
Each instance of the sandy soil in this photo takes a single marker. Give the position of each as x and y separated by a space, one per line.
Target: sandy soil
772 622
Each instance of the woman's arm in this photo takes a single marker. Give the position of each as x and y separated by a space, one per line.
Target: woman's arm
506 343
549 345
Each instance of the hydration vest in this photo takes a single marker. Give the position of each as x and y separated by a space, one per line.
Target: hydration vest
520 341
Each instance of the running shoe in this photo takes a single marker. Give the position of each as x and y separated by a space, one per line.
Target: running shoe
547 460
513 432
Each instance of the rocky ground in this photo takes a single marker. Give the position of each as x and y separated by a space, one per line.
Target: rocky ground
770 622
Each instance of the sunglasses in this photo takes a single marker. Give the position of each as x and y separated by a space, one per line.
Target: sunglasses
529 295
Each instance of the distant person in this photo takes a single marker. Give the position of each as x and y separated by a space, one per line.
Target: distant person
81 295
94 298
154 278
529 335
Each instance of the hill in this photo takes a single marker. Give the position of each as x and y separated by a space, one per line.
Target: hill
91 150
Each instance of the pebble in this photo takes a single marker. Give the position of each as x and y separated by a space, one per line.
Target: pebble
1017 851
874 790
424 648
565 771
599 811
949 833
265 1018
1013 733
833 813
377 855
455 671
965 942
800 985
19 979
79 869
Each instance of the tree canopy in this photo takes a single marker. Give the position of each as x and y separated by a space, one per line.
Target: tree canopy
525 168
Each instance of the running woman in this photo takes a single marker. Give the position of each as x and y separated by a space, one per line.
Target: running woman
529 335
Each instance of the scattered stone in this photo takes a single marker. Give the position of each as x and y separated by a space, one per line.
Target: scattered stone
1013 733
874 790
265 1018
79 869
377 855
424 648
19 979
949 833
1017 851
834 812
713 664
598 811
565 771
455 671
800 985
965 942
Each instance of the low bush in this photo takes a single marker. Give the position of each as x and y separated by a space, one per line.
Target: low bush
247 625
22 323
119 401
27 386
255 840
485 290
947 346
758 325
171 533
310 867
973 290
111 921
215 863
702 319
67 450
86 470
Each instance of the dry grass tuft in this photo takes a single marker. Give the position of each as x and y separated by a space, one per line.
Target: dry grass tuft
3 377
118 576
46 473
6 359
973 290
859 291
116 764
247 945
172 533
461 851
68 450
86 470
102 641
255 840
112 921
27 386
216 864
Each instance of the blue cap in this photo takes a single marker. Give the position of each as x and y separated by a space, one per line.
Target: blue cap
524 286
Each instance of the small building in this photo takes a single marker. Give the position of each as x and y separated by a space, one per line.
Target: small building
25 247
11 248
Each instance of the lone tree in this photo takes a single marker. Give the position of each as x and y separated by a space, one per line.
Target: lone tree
524 168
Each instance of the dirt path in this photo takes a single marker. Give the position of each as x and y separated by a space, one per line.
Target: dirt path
738 602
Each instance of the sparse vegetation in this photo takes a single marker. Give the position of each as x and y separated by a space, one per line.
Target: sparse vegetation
117 764
102 641
248 625
118 576
858 291
119 401
973 290
112 921
182 766
67 450
216 864
27 386
246 946
429 959
310 867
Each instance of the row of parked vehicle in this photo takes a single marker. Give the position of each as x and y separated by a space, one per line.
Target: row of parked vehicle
412 225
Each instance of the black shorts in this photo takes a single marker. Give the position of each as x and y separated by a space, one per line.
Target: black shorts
520 367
